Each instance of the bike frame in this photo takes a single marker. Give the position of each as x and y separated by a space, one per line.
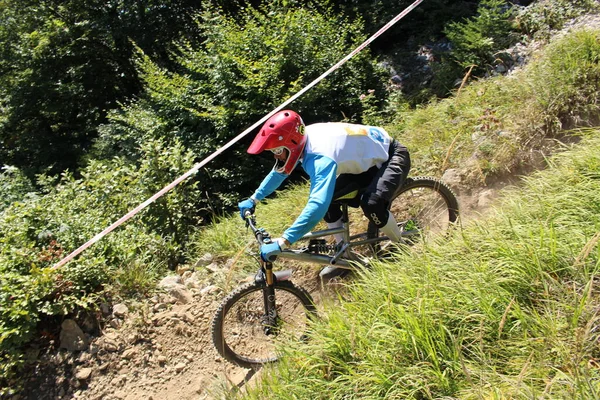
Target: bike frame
347 243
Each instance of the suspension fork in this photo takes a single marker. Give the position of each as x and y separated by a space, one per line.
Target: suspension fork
269 319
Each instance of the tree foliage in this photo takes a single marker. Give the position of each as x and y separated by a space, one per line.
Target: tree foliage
475 43
222 87
477 39
65 63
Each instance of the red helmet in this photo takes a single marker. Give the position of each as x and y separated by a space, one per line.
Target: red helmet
285 130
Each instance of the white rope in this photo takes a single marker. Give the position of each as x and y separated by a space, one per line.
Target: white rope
208 159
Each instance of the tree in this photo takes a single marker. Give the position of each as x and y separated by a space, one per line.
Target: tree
246 67
66 63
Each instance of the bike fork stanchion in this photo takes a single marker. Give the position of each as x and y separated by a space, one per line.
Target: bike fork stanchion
270 316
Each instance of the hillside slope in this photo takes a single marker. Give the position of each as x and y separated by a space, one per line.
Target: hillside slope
161 349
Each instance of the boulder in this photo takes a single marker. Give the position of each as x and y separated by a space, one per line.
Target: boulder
72 337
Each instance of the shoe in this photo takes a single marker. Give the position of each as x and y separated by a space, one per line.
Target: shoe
329 273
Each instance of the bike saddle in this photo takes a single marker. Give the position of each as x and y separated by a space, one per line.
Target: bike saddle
349 194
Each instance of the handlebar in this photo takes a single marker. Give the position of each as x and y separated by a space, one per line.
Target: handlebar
261 235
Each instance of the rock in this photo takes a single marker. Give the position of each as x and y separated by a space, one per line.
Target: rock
186 275
485 198
120 310
130 353
94 348
193 281
170 281
181 294
116 323
203 261
105 309
209 289
72 337
174 286
84 357
108 344
180 367
213 267
188 317
89 325
182 269
132 338
83 374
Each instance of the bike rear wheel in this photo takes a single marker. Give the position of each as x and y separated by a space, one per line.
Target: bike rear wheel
423 207
238 328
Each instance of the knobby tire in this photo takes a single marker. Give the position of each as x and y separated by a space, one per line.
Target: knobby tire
418 197
238 333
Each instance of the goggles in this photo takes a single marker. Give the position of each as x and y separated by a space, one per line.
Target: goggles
277 150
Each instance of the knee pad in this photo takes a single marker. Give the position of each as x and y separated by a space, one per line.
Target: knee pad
375 209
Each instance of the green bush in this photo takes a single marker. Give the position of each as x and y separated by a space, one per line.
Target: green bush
246 67
543 16
37 232
477 39
475 42
14 186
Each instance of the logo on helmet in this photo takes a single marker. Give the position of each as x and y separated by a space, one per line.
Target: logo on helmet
300 129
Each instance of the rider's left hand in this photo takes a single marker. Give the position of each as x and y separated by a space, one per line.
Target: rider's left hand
270 251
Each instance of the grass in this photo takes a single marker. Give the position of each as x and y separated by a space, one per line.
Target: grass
493 126
506 308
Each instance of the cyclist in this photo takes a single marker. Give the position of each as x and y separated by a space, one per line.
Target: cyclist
333 155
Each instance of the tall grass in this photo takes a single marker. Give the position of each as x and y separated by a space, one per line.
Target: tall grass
506 308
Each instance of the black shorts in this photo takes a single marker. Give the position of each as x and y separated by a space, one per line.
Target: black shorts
377 185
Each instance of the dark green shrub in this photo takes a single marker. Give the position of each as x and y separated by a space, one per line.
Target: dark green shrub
14 186
475 42
39 231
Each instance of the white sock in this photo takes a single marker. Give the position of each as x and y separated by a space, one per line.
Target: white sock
391 230
337 224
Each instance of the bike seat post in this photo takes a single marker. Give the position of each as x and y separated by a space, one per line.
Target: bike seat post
345 222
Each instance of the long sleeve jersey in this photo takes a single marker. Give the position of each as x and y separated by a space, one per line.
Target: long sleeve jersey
331 149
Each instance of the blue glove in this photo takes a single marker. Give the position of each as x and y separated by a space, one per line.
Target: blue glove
269 251
246 205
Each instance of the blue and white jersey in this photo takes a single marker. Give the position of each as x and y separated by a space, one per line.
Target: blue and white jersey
331 149
354 148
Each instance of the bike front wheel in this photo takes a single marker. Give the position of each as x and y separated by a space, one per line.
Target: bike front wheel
423 207
243 333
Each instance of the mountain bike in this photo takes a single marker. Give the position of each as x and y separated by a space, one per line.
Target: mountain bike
252 319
